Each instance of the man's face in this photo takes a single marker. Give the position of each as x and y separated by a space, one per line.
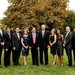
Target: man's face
8 29
33 30
17 30
43 27
67 29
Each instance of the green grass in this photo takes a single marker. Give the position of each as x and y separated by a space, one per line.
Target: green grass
38 70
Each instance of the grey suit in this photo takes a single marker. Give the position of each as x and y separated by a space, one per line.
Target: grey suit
68 47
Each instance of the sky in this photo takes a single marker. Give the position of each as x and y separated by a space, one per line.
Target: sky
4 5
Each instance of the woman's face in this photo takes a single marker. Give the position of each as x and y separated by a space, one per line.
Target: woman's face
58 31
74 29
52 31
25 33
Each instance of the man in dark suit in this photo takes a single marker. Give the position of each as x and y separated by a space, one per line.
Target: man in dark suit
7 47
33 42
16 41
43 43
1 41
73 43
68 44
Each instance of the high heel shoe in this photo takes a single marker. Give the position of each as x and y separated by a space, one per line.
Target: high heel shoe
53 63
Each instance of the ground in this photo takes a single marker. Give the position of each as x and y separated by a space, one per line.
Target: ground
38 70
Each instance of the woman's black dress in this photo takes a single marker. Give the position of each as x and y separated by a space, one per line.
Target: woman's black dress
54 46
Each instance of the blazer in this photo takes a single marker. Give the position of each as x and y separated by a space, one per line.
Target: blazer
68 39
44 41
15 41
1 38
73 40
7 40
31 39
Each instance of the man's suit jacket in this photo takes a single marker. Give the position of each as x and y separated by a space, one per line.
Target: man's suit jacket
31 39
1 38
15 41
73 41
68 39
44 41
7 40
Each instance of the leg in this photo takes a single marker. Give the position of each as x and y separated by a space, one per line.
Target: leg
18 55
36 54
41 56
0 55
33 56
9 54
74 54
14 57
60 60
54 59
46 55
69 51
25 60
5 58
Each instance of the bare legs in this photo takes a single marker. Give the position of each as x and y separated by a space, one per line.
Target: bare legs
54 59
60 60
25 60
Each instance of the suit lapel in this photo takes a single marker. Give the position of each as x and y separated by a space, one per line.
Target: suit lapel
68 34
16 35
45 34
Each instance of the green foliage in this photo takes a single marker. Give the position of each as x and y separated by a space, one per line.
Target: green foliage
28 13
70 20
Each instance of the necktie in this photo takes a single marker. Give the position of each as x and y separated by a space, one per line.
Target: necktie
18 36
1 32
9 35
43 33
34 38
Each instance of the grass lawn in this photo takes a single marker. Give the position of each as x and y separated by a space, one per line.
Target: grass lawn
38 70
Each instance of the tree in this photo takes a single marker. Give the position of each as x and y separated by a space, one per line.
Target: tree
28 13
70 20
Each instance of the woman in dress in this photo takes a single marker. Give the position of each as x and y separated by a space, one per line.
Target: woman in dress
60 39
53 45
25 46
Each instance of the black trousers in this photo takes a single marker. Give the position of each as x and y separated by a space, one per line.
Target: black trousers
74 53
34 53
7 55
0 54
69 55
16 56
45 51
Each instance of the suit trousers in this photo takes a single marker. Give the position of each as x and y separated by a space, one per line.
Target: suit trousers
74 53
7 55
16 56
34 53
0 54
69 54
45 51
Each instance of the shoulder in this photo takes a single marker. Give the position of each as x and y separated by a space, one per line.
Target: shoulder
71 33
14 34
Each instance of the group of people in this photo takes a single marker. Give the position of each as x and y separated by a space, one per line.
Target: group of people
38 43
